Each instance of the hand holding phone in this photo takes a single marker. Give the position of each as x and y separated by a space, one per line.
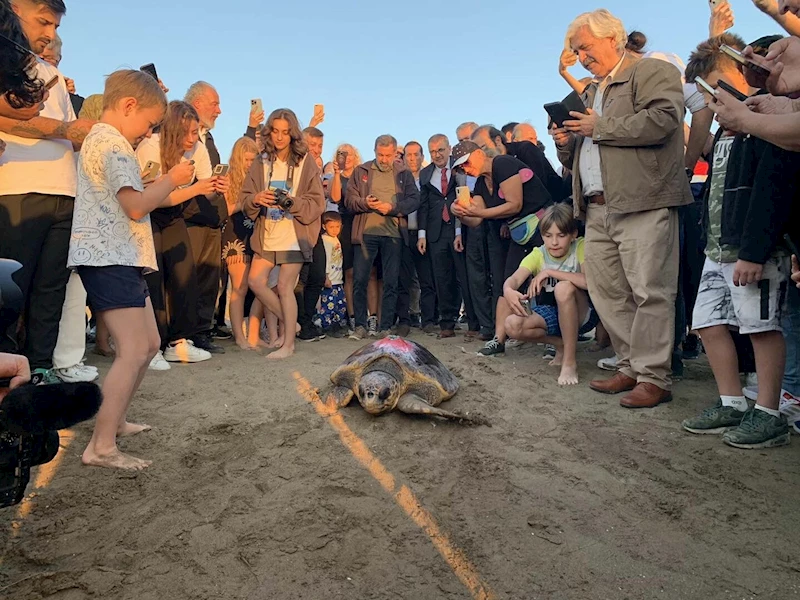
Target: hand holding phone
221 170
150 171
341 160
150 69
256 106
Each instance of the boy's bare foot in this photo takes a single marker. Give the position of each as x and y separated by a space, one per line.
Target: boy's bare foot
569 375
129 429
277 343
114 460
281 353
244 345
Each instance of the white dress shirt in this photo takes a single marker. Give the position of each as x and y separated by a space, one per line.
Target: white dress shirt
436 181
589 169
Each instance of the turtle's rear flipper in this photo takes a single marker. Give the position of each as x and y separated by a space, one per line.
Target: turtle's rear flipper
340 396
413 404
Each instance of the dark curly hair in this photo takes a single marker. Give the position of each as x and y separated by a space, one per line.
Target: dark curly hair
297 149
18 81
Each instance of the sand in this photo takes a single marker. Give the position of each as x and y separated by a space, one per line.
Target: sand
253 495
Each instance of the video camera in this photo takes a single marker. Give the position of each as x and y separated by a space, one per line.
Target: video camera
30 416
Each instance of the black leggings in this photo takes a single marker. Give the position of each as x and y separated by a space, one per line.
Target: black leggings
173 288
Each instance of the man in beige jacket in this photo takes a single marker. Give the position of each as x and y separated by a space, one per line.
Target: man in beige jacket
626 155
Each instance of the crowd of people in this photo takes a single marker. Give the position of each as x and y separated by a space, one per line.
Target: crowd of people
657 235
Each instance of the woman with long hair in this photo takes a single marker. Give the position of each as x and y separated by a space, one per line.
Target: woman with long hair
236 251
173 288
283 195
346 158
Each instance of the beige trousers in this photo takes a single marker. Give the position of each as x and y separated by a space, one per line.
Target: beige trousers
632 271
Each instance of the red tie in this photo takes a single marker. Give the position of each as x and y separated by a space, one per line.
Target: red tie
445 212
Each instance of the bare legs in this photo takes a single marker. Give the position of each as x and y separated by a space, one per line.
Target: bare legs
137 339
238 272
283 303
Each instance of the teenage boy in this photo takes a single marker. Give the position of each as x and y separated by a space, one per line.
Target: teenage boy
748 201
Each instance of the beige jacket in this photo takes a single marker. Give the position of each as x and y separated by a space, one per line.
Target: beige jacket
309 204
640 136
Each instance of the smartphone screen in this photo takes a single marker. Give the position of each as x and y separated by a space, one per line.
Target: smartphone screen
150 69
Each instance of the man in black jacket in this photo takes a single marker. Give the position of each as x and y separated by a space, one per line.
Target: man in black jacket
438 229
752 185
205 218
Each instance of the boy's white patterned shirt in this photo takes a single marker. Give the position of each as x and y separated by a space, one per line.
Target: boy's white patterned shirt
102 234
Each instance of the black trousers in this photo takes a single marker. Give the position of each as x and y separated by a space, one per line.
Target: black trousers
312 280
206 246
414 262
452 284
479 279
390 249
173 289
35 230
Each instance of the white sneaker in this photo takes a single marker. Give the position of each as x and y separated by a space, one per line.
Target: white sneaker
751 380
608 364
78 373
158 363
185 351
790 408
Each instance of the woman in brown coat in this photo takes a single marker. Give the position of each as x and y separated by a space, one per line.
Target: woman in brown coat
286 231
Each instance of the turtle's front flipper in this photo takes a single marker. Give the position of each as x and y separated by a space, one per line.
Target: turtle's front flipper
340 396
413 404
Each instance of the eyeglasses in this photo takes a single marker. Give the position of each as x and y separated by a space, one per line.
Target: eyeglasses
443 151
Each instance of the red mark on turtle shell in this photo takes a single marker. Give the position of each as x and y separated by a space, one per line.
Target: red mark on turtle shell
395 343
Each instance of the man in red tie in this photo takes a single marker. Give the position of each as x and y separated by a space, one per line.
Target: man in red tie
438 229
381 194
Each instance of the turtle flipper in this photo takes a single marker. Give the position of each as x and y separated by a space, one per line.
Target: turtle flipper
340 396
413 404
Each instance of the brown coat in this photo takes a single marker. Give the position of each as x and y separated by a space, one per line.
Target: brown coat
309 204
640 138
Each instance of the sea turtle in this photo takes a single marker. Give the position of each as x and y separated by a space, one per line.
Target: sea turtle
396 373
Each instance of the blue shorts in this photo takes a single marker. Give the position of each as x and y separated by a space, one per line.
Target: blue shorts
113 287
550 315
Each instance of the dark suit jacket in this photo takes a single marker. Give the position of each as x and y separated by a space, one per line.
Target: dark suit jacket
431 202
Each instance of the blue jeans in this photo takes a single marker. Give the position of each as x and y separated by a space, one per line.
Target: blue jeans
791 333
363 257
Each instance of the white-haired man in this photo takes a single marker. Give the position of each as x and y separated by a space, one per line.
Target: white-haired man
525 132
626 156
205 217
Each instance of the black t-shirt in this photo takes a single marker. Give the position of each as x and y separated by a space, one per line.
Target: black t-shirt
532 156
534 195
343 210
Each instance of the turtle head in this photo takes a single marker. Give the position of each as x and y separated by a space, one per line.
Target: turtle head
378 392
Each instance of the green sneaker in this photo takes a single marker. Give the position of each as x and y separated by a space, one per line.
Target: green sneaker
758 430
717 419
43 377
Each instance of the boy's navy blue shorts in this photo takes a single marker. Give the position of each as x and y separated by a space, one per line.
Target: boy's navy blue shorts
113 287
550 315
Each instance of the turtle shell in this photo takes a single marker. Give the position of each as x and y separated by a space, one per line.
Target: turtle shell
423 373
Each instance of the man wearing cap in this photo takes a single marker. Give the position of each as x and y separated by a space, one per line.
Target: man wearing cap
507 191
626 156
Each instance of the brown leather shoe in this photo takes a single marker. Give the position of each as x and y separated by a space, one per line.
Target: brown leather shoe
645 395
469 336
446 333
617 384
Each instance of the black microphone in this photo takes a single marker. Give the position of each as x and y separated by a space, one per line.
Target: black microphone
40 408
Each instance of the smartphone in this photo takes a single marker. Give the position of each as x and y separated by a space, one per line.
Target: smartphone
221 170
744 61
150 171
256 106
150 69
559 112
713 3
51 83
703 84
731 90
319 109
341 159
792 246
